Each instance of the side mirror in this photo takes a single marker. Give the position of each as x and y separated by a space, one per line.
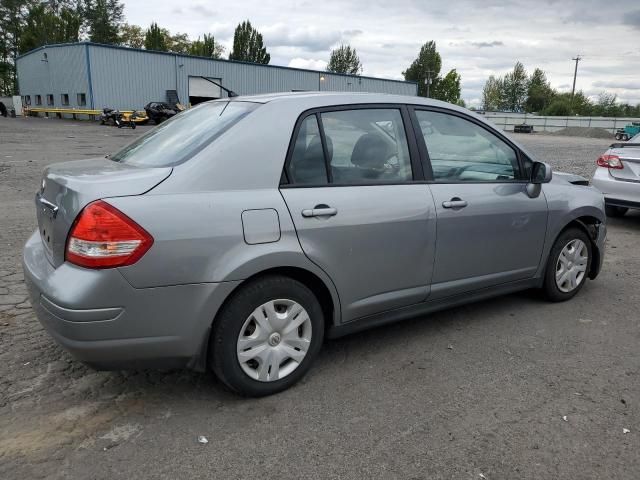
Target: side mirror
540 173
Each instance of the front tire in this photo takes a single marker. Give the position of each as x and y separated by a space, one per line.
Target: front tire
266 336
568 265
613 211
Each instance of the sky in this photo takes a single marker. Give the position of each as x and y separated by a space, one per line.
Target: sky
476 37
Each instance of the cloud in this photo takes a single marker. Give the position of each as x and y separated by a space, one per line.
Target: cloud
308 63
222 30
632 19
204 11
627 85
495 43
310 38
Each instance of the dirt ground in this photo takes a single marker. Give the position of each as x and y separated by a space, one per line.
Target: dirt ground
513 387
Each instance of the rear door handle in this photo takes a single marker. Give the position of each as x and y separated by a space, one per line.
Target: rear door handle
319 211
455 202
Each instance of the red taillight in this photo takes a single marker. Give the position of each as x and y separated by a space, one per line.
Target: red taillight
104 237
609 161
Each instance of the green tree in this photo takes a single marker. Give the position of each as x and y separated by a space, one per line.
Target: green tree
558 107
425 68
46 24
539 92
248 45
492 94
103 19
156 38
13 15
515 88
206 47
344 59
448 88
131 36
178 43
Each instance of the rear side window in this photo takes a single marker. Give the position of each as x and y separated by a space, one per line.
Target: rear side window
461 151
307 165
184 135
363 146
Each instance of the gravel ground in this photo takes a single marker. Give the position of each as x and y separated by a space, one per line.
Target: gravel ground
509 388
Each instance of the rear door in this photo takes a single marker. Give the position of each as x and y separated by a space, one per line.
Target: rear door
489 230
358 211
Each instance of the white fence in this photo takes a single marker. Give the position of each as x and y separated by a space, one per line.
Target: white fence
540 123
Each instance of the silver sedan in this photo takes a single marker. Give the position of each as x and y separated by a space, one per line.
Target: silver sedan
239 234
618 177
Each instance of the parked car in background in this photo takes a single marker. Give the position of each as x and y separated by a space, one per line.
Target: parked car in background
618 177
239 234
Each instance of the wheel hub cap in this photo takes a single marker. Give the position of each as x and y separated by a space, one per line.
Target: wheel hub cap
274 340
571 266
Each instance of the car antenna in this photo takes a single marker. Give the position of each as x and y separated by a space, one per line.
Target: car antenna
231 93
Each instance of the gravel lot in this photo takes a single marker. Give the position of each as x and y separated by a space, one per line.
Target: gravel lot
509 388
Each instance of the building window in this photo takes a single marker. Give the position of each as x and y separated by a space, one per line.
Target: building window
27 99
82 99
38 99
50 100
65 98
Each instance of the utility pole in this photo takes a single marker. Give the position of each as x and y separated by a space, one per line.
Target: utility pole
575 74
428 81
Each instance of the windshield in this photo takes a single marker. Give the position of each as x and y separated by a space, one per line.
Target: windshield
184 135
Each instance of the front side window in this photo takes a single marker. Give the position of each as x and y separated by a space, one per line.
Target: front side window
184 135
461 151
368 146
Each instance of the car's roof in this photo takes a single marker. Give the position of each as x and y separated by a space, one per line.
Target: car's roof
340 98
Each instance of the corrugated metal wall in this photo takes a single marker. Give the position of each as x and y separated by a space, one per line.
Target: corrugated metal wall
126 78
64 70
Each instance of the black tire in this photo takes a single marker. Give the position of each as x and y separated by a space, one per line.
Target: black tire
231 318
625 137
133 126
613 211
550 287
618 136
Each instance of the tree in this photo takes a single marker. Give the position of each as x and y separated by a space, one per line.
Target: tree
131 36
206 47
47 23
344 59
448 88
178 43
539 92
103 18
515 88
425 68
156 38
12 20
248 45
492 94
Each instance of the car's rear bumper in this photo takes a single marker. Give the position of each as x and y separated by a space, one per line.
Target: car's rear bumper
616 192
102 320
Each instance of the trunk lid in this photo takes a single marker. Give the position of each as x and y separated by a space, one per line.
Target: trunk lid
630 157
68 187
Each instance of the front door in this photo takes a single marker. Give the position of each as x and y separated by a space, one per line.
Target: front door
489 230
357 211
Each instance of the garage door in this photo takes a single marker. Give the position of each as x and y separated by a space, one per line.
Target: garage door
199 87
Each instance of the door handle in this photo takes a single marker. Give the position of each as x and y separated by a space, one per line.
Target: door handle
319 211
455 202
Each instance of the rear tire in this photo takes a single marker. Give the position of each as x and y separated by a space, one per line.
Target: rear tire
625 137
568 265
257 333
613 211
618 136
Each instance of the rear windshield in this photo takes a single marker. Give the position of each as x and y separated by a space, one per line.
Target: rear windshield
184 135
